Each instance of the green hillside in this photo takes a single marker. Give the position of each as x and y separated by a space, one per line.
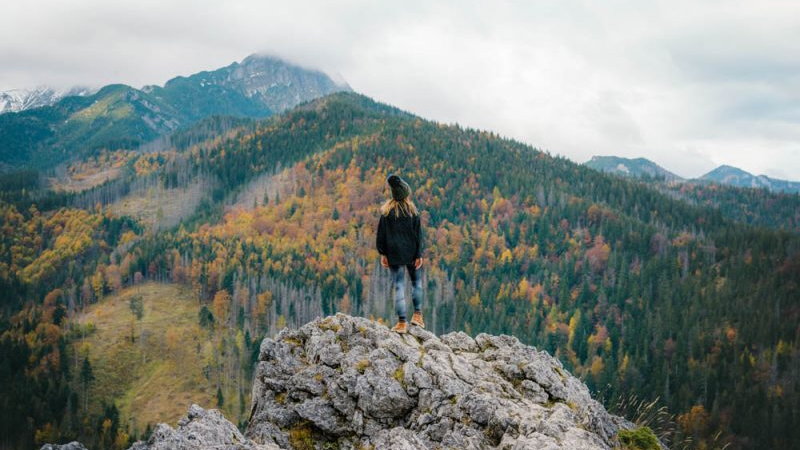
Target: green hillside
757 207
631 167
117 116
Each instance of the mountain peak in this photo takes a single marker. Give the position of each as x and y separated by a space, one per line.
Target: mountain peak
635 167
724 168
262 82
735 176
16 100
724 174
266 58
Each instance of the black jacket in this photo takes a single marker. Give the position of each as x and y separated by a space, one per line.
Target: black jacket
399 238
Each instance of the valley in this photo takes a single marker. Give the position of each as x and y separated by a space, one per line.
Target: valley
677 298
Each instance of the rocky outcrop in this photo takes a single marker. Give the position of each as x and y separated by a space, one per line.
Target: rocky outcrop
200 429
351 382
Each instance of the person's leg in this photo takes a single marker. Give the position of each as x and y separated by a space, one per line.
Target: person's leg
398 282
416 286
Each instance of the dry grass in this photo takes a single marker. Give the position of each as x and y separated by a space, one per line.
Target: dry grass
90 172
154 380
162 208
83 182
646 413
274 184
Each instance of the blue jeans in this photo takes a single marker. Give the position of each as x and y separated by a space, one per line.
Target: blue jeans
398 281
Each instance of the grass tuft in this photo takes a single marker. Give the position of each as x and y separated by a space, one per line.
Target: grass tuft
641 438
329 324
362 365
300 437
399 375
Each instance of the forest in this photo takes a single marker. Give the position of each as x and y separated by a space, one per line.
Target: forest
687 297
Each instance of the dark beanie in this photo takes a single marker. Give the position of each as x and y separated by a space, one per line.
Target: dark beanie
400 189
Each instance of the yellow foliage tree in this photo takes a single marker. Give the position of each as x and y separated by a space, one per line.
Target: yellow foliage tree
598 365
221 305
98 284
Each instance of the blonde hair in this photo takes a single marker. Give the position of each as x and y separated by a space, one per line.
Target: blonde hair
405 207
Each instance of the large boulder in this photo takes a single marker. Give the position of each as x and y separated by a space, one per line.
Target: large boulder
74 445
352 383
200 429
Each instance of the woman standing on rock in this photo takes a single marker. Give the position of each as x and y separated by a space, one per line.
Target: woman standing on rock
399 241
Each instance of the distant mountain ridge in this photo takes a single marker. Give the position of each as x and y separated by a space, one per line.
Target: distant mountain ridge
258 86
728 175
637 167
16 100
120 116
737 177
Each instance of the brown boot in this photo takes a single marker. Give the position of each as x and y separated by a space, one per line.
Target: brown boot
401 327
417 319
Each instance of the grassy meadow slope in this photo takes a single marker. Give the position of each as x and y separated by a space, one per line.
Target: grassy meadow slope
154 377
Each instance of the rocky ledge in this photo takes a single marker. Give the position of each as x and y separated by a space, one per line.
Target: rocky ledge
353 382
343 382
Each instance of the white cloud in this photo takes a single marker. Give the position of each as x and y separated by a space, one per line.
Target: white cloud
688 84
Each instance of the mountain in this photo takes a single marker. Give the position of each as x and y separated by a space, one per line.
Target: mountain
257 86
634 167
120 116
737 177
117 116
727 175
16 100
664 308
350 382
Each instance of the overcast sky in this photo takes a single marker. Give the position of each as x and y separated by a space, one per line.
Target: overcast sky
689 84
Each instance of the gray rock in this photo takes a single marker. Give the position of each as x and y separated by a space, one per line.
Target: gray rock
200 429
353 381
398 439
319 412
74 445
459 341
